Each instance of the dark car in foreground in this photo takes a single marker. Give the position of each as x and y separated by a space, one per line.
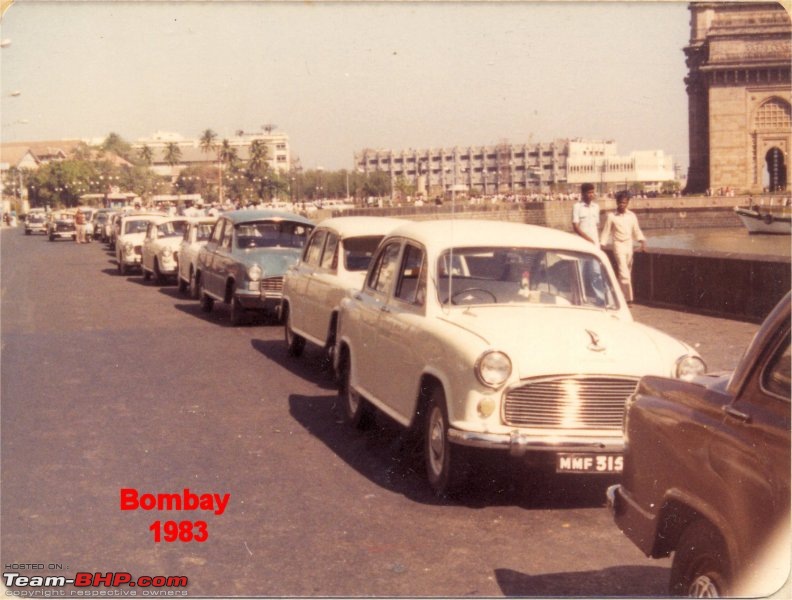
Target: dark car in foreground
707 470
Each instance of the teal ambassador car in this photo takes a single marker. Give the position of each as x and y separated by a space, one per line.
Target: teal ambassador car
245 258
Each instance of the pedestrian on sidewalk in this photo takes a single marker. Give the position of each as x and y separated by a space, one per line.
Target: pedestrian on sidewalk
623 227
586 215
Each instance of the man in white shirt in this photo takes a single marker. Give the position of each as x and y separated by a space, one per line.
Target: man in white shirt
586 214
623 227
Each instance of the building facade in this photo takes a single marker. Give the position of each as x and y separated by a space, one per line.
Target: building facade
277 144
738 87
558 166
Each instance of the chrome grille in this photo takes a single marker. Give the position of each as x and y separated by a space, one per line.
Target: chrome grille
581 402
272 287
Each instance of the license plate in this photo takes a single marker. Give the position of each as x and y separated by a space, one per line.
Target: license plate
589 463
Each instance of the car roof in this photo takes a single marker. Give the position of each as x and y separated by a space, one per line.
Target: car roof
446 233
361 226
145 216
245 216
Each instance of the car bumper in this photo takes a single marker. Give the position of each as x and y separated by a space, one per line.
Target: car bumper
254 301
63 234
519 444
637 524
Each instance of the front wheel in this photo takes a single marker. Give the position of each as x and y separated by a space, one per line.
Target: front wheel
446 463
237 311
158 276
207 303
700 568
194 285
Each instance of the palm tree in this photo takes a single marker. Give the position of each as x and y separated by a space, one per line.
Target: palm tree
173 156
146 155
208 138
227 153
258 156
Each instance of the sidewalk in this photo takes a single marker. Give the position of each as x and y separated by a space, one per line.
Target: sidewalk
721 342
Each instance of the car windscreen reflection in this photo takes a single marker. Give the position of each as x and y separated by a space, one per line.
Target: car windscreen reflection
271 234
523 275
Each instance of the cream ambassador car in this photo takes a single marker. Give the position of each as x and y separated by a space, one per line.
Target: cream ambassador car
195 237
335 259
488 336
160 245
129 238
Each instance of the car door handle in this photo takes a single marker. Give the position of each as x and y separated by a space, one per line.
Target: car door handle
737 414
358 296
385 309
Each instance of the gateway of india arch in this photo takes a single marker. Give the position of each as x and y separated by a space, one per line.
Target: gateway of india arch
738 86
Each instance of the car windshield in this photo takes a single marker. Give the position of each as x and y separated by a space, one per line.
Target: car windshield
523 275
135 226
171 229
36 219
359 250
269 234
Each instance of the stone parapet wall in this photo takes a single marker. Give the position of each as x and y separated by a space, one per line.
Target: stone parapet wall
722 284
658 213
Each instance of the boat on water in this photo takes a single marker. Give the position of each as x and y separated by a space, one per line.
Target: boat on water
775 220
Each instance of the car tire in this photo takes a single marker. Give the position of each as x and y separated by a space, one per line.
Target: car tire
446 463
193 285
207 303
295 343
700 567
158 276
237 310
146 274
182 285
357 411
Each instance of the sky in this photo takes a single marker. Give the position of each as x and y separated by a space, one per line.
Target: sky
338 77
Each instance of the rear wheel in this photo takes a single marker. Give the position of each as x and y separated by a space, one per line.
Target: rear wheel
182 285
194 287
146 274
295 343
446 463
357 411
700 568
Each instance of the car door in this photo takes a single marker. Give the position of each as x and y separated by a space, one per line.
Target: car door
223 260
401 329
208 254
755 454
300 305
321 287
369 362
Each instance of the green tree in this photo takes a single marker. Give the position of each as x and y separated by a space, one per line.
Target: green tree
173 156
208 139
115 143
146 154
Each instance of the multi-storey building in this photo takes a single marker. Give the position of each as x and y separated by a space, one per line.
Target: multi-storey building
739 95
277 144
506 168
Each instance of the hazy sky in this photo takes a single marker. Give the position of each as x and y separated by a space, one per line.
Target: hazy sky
340 77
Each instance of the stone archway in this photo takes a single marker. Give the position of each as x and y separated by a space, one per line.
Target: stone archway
775 171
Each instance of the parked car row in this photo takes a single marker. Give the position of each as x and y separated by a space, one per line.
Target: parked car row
488 340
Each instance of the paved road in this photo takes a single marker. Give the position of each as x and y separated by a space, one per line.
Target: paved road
111 383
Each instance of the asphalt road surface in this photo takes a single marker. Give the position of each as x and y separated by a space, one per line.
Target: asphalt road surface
110 383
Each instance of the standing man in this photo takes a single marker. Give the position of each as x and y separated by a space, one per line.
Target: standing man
623 227
79 225
585 215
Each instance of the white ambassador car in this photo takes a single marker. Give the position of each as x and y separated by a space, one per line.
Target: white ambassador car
498 336
129 238
195 237
335 259
160 245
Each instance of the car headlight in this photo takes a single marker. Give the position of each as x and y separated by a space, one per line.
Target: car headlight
254 272
688 367
128 247
493 368
167 252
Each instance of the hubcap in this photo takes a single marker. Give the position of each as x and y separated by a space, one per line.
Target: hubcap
436 441
703 587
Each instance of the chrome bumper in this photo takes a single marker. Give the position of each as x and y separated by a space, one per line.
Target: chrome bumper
519 443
